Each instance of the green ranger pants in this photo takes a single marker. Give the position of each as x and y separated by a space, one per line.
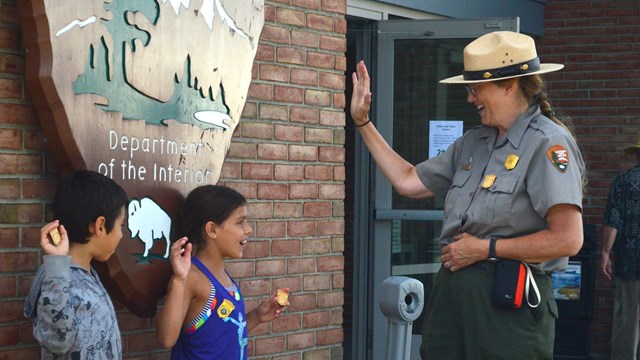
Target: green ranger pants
462 324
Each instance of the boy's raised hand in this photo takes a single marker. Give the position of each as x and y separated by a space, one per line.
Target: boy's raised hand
181 258
46 240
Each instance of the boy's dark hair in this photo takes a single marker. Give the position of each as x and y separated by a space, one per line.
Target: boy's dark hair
84 196
207 203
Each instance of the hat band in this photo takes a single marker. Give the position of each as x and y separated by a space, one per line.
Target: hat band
511 70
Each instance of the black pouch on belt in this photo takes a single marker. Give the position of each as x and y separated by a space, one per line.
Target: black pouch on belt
509 279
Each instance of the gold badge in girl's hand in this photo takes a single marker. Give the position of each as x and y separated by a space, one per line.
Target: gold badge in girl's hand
488 181
511 162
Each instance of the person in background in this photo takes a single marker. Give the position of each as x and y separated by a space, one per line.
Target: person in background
512 188
621 233
73 316
203 316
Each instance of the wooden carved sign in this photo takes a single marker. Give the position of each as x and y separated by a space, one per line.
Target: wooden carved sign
147 92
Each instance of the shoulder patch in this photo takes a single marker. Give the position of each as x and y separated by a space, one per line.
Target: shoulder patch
559 157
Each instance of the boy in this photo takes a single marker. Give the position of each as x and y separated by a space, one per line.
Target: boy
73 317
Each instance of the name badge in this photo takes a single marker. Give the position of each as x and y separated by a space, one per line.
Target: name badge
511 162
488 181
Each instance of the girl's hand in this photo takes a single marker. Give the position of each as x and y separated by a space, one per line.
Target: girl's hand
181 258
270 309
46 243
361 97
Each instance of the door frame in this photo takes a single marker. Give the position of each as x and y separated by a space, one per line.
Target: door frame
379 221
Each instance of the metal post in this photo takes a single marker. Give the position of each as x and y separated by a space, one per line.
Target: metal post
401 303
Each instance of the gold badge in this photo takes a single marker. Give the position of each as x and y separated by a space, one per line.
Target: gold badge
225 309
511 162
488 181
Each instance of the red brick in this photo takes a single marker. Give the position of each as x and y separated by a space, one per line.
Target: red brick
317 209
10 188
290 17
288 94
289 172
270 345
332 118
286 323
260 210
320 22
10 139
256 249
304 77
255 171
274 73
301 266
317 97
316 246
303 153
333 192
274 112
333 43
257 130
272 151
329 337
301 228
287 210
311 4
285 247
322 136
270 267
286 55
301 38
276 34
331 154
17 113
7 289
316 319
243 150
289 133
20 164
303 191
331 227
254 287
305 114
316 282
320 60
301 340
270 229
331 263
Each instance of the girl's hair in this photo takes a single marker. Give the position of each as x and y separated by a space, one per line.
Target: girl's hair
533 90
82 197
207 203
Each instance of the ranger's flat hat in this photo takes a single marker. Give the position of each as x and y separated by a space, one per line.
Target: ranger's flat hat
500 55
631 149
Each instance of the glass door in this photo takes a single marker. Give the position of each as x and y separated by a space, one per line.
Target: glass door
412 56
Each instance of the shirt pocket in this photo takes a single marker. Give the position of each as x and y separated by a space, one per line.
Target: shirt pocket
496 204
454 200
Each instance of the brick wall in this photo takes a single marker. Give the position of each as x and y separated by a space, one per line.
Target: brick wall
287 157
599 42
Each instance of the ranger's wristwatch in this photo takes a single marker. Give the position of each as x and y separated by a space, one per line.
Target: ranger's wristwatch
492 250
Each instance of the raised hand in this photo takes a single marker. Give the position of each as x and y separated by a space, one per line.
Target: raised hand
46 243
361 97
181 258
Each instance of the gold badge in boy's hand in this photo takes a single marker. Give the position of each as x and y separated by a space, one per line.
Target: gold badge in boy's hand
282 297
55 237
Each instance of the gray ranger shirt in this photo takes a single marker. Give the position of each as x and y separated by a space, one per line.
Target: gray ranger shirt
503 188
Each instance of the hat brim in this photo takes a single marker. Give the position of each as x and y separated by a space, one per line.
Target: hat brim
544 68
630 150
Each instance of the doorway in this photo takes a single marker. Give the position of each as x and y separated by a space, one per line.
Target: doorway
388 235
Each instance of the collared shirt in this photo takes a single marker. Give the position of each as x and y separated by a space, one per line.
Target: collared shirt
504 187
623 213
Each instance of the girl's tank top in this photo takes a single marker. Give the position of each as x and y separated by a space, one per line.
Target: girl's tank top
219 331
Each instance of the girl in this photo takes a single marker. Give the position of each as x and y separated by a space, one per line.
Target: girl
204 316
